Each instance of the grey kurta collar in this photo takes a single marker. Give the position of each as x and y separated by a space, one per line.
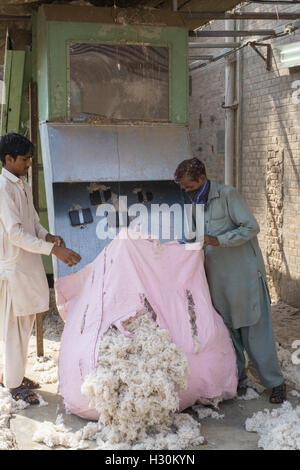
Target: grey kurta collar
213 192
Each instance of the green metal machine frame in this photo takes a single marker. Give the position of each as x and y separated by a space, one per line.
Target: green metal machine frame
47 64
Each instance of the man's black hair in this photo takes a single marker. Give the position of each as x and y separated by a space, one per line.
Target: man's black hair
193 168
14 144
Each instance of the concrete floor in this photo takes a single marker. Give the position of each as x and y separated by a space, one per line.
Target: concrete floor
24 424
224 434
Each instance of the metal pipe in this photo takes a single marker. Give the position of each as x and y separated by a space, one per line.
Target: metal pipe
229 113
216 45
195 15
196 65
239 117
230 33
276 2
174 5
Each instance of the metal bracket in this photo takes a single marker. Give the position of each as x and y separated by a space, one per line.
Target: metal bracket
233 106
268 59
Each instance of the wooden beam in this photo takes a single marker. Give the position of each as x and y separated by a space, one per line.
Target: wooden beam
211 45
33 118
15 90
39 334
16 10
7 18
240 16
7 79
233 34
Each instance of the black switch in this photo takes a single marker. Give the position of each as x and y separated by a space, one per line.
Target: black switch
87 216
74 216
81 217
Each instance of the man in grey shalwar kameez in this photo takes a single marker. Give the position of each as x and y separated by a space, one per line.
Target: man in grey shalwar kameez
236 273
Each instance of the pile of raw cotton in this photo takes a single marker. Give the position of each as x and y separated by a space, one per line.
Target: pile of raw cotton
59 435
135 390
291 372
7 437
278 429
46 368
7 407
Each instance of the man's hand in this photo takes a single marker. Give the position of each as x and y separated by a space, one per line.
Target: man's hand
67 256
210 240
57 240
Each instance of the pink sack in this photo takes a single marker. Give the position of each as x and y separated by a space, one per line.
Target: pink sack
114 287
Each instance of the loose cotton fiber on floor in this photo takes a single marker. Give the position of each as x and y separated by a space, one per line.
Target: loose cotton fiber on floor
290 371
7 437
278 429
135 390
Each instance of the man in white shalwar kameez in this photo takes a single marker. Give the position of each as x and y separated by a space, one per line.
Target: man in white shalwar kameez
24 288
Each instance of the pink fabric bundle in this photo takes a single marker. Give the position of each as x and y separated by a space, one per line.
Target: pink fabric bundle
114 287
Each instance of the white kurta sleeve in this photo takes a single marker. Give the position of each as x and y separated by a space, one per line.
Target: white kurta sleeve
12 221
40 231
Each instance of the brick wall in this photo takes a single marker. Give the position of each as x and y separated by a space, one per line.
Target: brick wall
270 143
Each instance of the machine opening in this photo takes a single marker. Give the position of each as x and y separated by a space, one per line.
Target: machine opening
119 82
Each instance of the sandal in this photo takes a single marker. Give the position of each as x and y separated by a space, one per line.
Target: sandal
23 393
278 394
28 383
31 384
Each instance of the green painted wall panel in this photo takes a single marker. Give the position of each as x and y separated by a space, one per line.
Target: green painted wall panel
15 90
42 192
24 125
7 75
41 53
13 80
47 260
